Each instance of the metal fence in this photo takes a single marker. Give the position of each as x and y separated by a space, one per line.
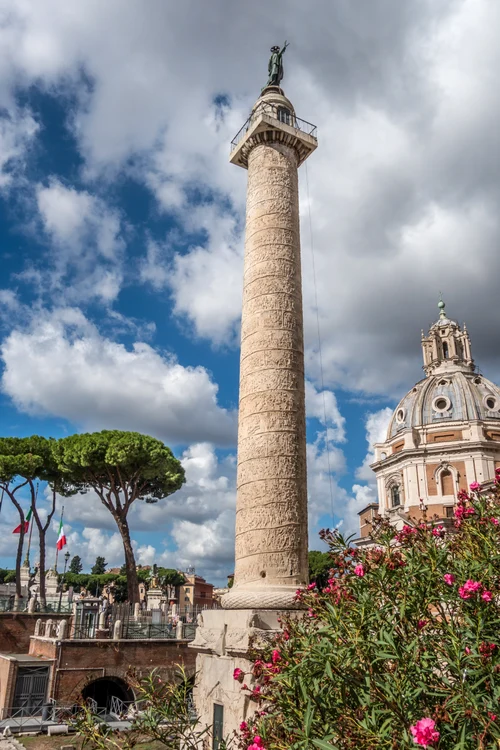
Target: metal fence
281 114
137 629
147 624
8 604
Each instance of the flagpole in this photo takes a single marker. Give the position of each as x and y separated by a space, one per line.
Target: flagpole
57 548
31 529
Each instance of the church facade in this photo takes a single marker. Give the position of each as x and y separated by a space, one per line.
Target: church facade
443 435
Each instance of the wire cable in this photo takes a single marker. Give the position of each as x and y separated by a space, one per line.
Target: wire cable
320 352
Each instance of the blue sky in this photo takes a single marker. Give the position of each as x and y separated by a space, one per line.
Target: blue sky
121 233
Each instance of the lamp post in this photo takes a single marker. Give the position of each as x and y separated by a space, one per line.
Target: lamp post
66 559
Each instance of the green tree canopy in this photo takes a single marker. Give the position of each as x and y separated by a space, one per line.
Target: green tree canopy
99 567
319 566
23 461
120 467
76 565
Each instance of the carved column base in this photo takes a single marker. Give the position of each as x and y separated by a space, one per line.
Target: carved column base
265 597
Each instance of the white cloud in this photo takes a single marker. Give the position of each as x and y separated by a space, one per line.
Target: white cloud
87 244
153 268
323 406
206 282
376 432
62 366
17 130
91 543
71 217
9 300
403 187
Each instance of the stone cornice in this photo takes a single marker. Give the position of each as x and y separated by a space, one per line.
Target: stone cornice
430 450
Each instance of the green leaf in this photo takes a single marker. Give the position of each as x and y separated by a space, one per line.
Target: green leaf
324 745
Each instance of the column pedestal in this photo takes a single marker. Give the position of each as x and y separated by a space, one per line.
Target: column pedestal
224 638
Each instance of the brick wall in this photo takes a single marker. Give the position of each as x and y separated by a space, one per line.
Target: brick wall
81 662
17 627
445 437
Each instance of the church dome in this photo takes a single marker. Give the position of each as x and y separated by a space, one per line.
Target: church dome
444 398
452 391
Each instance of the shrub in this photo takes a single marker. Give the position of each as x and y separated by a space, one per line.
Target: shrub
399 650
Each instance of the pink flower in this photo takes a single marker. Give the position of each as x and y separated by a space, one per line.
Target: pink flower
493 717
494 521
461 511
421 624
311 586
276 656
469 588
243 726
486 596
424 732
256 744
475 487
359 570
449 578
238 674
467 650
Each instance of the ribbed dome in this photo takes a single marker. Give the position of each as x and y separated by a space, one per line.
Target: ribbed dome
445 398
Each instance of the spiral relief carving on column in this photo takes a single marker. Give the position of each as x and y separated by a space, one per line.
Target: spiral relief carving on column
271 514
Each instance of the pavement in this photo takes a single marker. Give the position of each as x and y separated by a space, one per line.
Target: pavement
10 743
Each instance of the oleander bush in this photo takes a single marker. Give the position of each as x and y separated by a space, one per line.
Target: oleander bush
399 650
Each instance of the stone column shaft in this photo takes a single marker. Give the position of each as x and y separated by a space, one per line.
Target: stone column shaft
271 510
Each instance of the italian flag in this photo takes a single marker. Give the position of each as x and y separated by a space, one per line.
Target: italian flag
27 520
61 539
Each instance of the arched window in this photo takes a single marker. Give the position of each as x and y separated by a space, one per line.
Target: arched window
284 115
395 496
447 483
445 350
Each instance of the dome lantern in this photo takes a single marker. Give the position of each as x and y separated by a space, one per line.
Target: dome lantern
446 348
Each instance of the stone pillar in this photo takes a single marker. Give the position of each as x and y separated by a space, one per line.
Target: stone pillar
179 630
271 505
62 630
117 630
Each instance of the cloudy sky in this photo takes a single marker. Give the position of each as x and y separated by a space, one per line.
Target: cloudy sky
121 231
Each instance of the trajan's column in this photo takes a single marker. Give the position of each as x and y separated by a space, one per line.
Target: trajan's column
271 504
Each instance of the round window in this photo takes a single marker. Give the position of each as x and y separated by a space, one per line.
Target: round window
441 404
477 381
400 415
491 403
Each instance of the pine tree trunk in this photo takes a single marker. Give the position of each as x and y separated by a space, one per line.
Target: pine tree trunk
41 571
19 559
132 580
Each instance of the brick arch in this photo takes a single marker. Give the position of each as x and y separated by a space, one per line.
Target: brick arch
103 688
115 676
